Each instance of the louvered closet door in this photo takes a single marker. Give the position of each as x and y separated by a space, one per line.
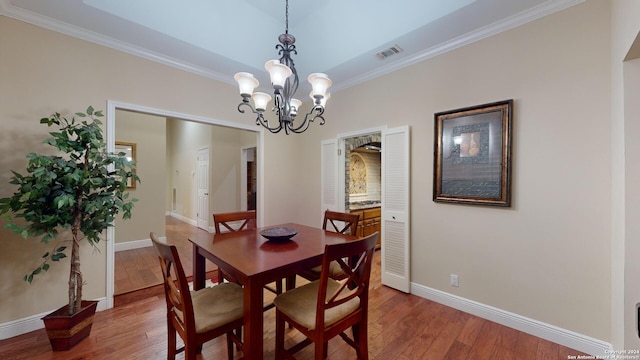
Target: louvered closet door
395 208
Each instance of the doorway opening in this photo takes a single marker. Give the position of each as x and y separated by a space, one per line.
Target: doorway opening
393 216
175 193
363 181
249 177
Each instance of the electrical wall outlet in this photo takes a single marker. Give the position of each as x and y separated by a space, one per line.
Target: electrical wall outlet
454 280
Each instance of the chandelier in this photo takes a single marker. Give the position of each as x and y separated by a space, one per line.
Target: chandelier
284 79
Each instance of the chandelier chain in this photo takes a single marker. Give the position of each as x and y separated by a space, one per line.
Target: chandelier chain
286 18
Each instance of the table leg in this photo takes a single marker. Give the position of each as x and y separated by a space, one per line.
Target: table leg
290 282
199 270
253 321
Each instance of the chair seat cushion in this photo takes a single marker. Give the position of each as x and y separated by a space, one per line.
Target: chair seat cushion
335 271
300 304
216 306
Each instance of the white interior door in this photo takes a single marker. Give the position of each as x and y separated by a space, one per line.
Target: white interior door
395 208
203 188
329 175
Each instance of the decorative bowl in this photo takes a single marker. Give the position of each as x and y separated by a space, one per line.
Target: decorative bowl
279 233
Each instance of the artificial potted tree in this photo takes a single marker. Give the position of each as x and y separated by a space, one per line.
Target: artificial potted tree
80 190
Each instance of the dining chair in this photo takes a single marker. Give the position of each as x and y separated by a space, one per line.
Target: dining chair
231 222
325 308
243 220
239 221
197 316
343 223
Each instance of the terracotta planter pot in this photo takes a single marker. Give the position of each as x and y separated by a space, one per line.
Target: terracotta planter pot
66 331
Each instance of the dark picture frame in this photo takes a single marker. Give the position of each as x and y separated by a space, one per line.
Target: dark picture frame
472 155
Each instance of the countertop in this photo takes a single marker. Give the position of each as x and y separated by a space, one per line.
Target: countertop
364 205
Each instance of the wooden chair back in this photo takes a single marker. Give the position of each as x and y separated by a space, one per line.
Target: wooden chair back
344 223
181 314
176 286
246 219
357 270
339 222
342 293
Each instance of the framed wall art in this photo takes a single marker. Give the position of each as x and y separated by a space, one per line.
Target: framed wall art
472 155
129 149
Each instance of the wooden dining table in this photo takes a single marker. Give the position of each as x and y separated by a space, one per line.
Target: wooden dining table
255 261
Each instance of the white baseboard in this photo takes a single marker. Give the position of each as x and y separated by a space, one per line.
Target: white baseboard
33 322
130 245
137 244
185 219
189 221
537 328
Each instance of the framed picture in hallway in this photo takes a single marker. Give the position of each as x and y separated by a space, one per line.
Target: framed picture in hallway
472 155
129 149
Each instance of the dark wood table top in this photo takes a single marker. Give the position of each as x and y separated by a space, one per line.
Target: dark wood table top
249 254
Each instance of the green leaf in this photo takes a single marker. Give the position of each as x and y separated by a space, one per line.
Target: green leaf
58 256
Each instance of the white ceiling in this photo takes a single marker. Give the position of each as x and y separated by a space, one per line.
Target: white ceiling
217 38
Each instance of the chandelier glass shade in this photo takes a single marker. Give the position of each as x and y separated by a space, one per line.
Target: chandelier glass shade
285 81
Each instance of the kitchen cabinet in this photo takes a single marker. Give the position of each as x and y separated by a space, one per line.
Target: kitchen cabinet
370 222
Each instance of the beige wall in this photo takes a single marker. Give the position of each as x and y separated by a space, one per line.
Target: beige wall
553 257
632 209
43 72
625 115
548 256
148 133
225 171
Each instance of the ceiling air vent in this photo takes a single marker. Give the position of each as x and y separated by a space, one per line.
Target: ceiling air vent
389 52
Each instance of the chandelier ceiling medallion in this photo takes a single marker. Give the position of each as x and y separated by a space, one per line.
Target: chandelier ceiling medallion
284 79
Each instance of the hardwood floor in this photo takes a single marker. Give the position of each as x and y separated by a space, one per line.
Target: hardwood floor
139 268
401 326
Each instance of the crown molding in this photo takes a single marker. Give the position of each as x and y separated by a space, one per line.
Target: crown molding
7 9
524 17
